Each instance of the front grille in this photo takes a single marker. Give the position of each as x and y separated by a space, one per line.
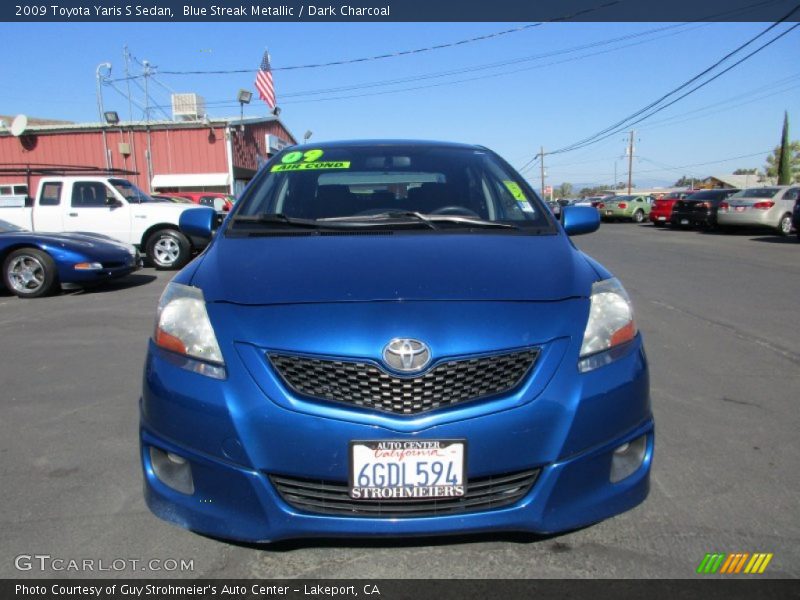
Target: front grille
332 498
366 385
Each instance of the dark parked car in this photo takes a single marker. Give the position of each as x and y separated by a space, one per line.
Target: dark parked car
796 218
699 209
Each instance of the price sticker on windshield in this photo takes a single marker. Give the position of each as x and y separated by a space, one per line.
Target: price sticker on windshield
518 194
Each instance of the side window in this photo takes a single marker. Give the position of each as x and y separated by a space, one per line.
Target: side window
791 194
51 194
21 190
90 194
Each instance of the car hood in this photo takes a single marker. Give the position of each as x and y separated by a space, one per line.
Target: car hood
362 268
76 239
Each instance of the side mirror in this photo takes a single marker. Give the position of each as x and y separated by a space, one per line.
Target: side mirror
198 222
578 220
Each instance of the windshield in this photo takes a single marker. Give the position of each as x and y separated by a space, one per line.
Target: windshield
335 183
707 195
6 227
768 192
130 192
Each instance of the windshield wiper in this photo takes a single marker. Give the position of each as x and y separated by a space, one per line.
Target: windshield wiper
275 219
430 220
380 217
471 221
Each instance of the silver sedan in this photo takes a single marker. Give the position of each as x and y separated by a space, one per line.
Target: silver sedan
760 207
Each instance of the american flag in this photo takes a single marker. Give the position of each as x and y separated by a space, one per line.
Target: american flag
264 83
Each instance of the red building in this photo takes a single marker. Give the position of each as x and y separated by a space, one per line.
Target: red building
212 154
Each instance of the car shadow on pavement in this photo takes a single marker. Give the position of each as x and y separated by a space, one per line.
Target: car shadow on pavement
114 285
777 239
411 542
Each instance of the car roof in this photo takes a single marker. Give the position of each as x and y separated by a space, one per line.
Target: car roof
385 142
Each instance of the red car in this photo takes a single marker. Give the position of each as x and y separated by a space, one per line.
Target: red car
661 211
216 200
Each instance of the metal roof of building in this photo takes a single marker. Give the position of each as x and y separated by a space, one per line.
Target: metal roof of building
54 127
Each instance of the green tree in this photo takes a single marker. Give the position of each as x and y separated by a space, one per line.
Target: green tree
784 162
745 171
564 190
686 181
785 175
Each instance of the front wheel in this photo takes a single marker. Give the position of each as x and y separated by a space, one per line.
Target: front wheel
785 225
638 216
168 249
30 273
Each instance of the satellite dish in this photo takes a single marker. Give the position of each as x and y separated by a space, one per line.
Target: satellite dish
19 125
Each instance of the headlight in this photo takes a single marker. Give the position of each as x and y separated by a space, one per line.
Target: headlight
610 324
183 327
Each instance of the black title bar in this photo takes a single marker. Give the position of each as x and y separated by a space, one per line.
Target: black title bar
397 10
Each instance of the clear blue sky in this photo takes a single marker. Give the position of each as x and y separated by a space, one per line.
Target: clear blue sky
513 109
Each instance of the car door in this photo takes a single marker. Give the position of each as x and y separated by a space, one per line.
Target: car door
95 208
48 213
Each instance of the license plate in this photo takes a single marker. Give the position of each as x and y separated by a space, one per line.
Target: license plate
684 221
740 208
609 212
662 218
413 469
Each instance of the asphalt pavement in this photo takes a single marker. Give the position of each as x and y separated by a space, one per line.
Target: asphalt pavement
721 319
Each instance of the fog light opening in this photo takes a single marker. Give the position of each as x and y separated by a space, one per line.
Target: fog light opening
172 470
627 459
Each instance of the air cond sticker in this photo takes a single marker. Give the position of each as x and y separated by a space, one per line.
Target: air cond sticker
311 166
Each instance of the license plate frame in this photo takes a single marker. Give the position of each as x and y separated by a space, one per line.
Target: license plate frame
739 208
403 481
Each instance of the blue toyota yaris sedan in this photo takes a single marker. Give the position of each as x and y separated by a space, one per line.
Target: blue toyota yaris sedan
393 338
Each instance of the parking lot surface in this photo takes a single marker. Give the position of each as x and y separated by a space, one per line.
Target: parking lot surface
720 318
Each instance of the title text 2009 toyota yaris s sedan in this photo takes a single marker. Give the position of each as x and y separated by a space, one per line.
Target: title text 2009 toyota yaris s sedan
393 338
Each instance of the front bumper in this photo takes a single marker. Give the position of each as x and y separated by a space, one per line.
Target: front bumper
235 436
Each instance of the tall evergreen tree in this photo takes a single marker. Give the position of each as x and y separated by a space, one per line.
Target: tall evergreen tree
784 160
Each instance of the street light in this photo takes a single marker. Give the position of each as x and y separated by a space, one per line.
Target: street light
244 97
307 135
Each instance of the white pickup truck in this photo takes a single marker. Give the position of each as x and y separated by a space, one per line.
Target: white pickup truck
111 206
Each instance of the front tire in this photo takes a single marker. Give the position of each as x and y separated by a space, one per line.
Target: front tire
30 273
785 225
168 250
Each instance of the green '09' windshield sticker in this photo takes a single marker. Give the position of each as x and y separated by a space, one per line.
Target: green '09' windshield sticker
311 166
307 156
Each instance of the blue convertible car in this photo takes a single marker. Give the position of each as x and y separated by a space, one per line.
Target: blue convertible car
392 338
38 264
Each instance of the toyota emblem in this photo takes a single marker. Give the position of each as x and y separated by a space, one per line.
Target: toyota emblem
406 355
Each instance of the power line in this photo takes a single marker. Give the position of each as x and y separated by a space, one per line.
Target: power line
479 38
626 122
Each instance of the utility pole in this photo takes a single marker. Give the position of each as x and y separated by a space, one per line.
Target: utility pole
630 162
541 156
146 73
101 108
614 184
127 56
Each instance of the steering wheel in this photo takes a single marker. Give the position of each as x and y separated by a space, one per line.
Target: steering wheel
456 210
